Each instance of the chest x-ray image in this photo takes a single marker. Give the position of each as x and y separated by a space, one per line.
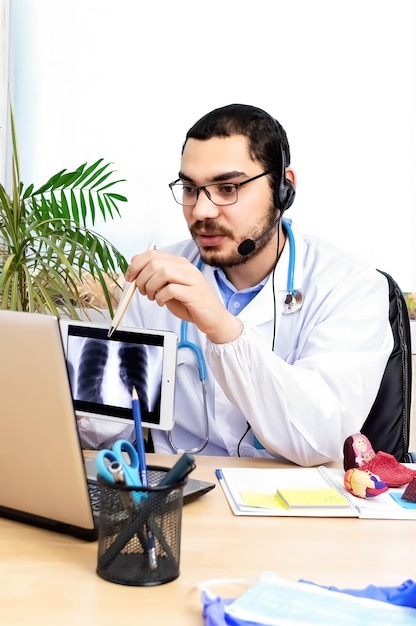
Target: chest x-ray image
108 371
103 373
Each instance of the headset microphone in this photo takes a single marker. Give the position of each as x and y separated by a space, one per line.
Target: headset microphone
248 245
284 196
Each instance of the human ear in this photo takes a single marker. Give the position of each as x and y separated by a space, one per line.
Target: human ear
291 176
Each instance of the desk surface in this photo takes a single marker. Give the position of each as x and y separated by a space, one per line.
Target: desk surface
50 579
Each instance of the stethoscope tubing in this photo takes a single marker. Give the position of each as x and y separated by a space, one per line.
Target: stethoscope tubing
185 343
292 256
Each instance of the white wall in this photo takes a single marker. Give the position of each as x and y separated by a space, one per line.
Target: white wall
125 79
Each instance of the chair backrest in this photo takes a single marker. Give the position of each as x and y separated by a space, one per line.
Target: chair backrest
387 425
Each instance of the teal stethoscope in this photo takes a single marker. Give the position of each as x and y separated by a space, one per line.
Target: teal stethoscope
201 366
292 303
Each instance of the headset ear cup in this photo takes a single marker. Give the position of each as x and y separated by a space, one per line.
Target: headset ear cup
284 195
290 192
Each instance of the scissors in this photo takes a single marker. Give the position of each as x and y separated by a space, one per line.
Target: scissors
114 467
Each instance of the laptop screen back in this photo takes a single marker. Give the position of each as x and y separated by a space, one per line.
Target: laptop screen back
42 473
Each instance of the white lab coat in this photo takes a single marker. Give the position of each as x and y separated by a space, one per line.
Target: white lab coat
317 387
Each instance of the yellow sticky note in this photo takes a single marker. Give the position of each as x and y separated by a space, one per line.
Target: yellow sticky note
262 500
327 497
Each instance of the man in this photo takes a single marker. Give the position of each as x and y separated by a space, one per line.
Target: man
295 334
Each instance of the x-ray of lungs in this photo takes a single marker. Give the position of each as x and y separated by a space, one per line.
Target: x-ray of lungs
107 371
90 375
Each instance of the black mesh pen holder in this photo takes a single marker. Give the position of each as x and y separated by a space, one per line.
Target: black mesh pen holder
139 536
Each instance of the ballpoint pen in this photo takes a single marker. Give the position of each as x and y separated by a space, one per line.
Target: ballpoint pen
175 476
124 302
115 468
135 403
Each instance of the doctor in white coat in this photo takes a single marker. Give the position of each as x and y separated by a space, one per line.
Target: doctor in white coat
295 334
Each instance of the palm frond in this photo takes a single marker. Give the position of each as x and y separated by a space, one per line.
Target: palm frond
46 245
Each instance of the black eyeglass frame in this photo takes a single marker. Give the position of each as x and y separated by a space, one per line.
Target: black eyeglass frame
199 188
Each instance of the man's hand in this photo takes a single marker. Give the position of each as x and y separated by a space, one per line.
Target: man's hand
173 281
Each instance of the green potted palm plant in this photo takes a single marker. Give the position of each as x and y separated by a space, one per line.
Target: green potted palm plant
46 246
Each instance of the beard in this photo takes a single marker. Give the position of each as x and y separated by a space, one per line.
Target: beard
215 258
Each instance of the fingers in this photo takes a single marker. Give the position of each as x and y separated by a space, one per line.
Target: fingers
173 281
170 280
154 270
137 263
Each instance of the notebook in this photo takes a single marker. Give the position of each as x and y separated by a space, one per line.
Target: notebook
103 370
305 492
43 479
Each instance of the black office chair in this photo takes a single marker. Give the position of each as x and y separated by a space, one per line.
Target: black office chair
388 423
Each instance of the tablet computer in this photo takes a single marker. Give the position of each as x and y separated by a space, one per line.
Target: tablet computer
103 371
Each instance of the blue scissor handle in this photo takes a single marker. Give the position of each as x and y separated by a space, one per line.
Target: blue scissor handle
117 454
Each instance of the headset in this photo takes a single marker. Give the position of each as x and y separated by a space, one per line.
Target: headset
284 194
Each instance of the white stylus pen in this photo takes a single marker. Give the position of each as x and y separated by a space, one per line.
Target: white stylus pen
125 301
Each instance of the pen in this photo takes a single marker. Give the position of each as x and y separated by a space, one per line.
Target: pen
175 475
135 403
124 303
116 469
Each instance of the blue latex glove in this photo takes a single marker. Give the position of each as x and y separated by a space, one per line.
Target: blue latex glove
213 609
402 595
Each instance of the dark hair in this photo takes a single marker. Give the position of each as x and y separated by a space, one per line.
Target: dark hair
267 139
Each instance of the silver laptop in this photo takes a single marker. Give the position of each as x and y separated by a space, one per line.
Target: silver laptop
43 480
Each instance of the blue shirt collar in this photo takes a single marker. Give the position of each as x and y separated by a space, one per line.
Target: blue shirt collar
234 300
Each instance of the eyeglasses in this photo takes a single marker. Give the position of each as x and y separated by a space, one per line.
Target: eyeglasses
221 194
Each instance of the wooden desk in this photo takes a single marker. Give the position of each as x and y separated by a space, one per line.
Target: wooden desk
48 579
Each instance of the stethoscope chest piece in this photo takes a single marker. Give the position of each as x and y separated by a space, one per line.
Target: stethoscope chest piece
294 299
293 302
